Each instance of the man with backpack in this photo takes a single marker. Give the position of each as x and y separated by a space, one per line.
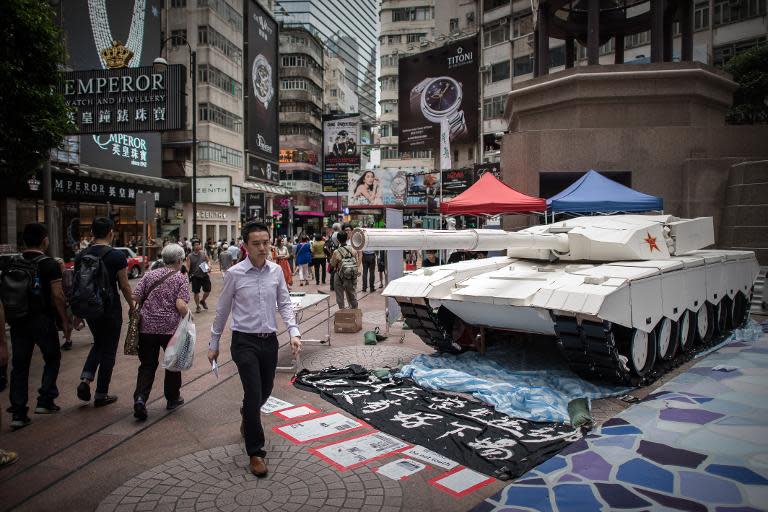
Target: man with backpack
99 271
32 298
345 262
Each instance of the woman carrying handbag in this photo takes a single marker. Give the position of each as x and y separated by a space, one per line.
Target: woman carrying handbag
163 294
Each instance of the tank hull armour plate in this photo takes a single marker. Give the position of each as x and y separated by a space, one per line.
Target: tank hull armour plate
628 321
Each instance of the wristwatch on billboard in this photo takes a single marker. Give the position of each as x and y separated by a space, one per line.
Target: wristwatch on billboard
399 187
261 75
440 98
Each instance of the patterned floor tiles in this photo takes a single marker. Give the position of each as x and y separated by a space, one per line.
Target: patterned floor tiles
700 442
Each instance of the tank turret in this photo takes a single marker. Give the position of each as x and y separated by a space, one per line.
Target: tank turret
611 238
627 296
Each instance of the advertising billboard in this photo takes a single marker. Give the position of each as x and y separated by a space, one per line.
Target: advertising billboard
263 170
392 186
214 189
341 149
90 26
261 73
457 181
438 91
481 169
254 206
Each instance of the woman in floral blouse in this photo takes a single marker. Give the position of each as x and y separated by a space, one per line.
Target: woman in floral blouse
164 293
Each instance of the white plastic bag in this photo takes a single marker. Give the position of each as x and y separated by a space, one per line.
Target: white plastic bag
180 353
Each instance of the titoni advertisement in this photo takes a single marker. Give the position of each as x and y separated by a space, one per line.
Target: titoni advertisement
438 90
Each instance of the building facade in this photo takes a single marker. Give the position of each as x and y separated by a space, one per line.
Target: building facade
301 130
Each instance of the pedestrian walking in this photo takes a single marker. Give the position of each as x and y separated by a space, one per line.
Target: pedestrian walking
281 258
67 281
331 245
346 261
33 298
234 251
163 294
198 265
100 265
291 252
303 259
369 269
318 258
254 339
382 265
225 258
6 457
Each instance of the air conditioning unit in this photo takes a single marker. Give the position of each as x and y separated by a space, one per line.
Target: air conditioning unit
485 69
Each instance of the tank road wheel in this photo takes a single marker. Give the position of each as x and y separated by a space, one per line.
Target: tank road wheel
639 348
705 323
687 331
740 310
722 313
666 339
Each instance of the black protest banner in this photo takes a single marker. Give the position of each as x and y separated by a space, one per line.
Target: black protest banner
469 432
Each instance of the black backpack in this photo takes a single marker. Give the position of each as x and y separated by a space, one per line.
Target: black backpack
20 289
92 291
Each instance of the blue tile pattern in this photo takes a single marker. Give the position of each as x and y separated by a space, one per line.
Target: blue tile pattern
700 442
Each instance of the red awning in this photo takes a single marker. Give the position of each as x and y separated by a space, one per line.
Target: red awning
309 214
489 196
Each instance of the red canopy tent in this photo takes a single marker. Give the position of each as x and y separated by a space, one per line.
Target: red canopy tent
489 196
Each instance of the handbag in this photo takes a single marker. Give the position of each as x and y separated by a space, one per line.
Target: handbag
131 345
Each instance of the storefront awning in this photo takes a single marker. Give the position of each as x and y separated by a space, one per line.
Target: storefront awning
310 214
265 187
136 179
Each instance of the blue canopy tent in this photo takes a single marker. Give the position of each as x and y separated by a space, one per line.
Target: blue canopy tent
594 193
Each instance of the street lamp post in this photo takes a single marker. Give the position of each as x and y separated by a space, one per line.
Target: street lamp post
161 64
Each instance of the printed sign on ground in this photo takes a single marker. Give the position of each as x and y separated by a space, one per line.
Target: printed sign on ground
274 404
357 451
461 481
318 428
297 412
400 469
433 458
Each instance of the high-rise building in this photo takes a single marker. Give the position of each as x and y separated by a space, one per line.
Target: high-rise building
348 29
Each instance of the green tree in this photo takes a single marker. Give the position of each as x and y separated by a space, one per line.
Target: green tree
750 101
33 116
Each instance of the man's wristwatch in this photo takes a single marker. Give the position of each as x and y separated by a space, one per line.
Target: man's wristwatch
440 98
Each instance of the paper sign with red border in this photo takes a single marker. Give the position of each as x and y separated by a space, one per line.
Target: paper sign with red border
436 482
287 414
317 451
424 467
278 429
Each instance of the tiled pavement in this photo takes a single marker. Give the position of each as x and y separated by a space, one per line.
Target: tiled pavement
83 458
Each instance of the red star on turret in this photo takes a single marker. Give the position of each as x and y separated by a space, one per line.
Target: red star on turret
651 241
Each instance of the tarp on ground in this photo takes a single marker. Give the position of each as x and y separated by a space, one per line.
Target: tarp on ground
537 395
489 196
594 193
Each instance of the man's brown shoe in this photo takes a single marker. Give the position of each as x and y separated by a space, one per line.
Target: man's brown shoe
258 466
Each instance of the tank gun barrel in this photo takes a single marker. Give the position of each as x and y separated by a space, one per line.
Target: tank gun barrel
468 239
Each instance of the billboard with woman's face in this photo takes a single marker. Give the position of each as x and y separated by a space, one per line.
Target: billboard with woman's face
392 187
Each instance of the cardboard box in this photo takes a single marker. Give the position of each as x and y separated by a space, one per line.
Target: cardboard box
348 320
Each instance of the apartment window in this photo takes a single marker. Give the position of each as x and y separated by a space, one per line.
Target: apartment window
493 108
217 115
608 47
557 56
300 129
701 16
294 61
522 25
384 130
523 65
394 39
225 11
414 38
489 5
420 154
178 38
207 36
389 60
471 153
730 12
499 71
453 25
640 39
387 107
217 153
724 53
496 35
412 14
208 74
178 3
389 152
334 93
389 83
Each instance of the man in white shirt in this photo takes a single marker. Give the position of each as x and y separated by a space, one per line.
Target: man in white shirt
251 290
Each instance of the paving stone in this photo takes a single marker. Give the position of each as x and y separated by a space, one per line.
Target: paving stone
368 357
218 479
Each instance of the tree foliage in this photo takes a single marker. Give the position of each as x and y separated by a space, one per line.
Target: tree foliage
750 101
33 116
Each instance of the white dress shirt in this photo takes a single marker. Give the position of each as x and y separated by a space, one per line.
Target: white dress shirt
251 293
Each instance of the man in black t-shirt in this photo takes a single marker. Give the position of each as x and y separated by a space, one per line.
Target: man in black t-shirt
199 264
38 328
105 329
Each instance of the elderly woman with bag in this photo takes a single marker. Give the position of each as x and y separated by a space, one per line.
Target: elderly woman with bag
162 296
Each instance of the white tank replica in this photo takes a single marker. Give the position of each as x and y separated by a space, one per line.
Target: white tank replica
627 296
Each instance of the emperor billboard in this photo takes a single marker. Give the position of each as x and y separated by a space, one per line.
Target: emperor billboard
90 27
261 74
438 90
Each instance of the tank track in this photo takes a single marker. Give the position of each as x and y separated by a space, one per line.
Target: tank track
427 325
